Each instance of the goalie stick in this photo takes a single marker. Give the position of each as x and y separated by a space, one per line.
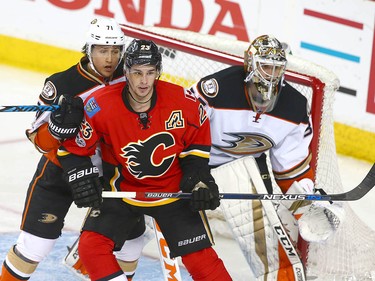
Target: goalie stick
355 194
276 224
28 108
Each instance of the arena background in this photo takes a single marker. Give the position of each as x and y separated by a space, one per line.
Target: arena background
47 36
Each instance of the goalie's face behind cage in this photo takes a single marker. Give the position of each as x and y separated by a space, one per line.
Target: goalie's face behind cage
265 64
105 46
142 68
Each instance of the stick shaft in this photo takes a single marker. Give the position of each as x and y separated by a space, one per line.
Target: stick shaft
236 196
28 108
356 193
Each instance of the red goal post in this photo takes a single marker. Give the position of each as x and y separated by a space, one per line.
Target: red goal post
188 56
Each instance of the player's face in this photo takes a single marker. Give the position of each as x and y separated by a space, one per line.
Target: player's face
141 79
105 59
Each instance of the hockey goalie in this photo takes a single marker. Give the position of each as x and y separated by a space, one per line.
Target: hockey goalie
253 111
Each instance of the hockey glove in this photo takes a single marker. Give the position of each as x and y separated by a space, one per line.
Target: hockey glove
318 220
321 221
64 123
204 190
86 187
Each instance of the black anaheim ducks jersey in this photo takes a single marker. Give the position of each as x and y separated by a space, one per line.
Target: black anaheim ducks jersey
237 131
75 81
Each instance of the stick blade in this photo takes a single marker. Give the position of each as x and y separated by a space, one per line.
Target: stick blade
363 188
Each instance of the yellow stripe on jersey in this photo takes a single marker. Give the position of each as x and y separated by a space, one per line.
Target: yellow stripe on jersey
140 203
195 152
61 152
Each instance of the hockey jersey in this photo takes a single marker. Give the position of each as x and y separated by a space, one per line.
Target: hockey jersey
237 131
143 151
75 81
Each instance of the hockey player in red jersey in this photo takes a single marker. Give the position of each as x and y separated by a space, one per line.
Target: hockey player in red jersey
49 196
154 136
252 110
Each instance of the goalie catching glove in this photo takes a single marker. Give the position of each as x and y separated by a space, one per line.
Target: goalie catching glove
319 220
204 190
85 184
64 122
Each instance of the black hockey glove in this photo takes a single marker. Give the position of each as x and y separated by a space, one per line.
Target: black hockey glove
64 123
86 187
204 190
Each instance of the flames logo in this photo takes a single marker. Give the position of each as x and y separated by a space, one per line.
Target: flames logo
151 157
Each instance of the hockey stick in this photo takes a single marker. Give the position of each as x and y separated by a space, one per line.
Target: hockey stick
355 194
276 224
28 108
170 266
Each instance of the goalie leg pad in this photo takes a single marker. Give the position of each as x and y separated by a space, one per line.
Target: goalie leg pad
248 221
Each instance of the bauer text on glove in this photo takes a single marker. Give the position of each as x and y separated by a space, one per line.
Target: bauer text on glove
85 184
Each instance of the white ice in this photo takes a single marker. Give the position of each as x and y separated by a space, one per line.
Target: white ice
19 159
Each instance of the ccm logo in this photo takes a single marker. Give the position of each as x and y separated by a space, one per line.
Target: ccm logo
82 173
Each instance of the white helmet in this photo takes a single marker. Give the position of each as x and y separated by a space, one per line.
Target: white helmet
265 65
104 31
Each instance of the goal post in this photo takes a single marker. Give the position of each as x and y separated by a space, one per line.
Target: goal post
189 56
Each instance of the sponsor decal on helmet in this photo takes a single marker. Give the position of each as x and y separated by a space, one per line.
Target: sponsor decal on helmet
210 87
48 92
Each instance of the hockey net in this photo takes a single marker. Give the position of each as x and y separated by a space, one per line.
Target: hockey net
188 56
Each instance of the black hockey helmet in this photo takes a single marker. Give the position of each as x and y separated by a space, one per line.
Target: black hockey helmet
143 52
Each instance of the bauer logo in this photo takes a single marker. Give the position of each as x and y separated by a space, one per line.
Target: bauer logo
192 240
92 107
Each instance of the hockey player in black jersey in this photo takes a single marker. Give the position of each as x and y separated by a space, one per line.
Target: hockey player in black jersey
49 196
254 111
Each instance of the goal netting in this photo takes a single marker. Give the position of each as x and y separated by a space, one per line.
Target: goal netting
188 56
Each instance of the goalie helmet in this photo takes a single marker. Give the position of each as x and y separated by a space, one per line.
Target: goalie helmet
265 65
104 32
143 52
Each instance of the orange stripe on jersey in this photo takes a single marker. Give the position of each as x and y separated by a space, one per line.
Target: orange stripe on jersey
45 140
285 184
31 193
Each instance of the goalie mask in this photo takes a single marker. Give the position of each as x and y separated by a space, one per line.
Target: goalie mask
104 32
143 52
265 64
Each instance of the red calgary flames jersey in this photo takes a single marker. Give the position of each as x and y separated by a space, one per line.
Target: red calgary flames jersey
143 150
